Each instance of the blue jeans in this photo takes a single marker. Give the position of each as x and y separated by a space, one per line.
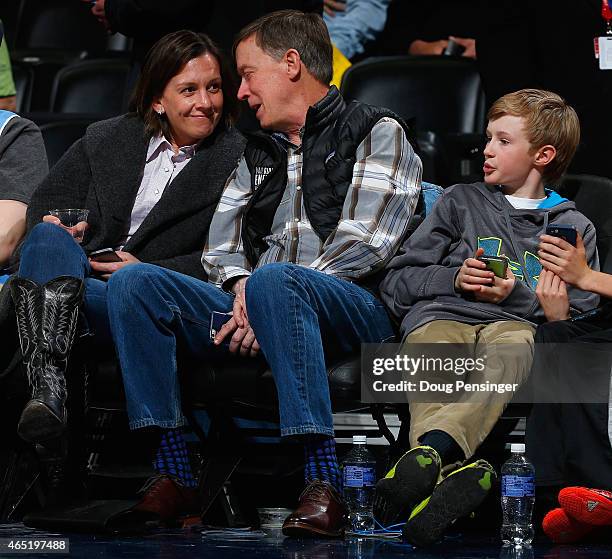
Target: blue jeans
49 252
301 319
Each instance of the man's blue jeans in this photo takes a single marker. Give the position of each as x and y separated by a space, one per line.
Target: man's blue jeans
301 318
49 252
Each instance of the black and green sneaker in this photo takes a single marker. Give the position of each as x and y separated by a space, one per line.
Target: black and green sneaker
413 478
457 495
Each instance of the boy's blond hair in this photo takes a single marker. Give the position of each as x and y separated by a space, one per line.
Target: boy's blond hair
548 120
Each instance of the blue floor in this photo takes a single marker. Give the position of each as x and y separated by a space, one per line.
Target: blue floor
185 544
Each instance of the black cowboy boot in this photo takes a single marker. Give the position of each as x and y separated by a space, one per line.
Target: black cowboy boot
46 321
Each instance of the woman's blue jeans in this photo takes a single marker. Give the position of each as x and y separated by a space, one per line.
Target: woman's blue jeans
301 318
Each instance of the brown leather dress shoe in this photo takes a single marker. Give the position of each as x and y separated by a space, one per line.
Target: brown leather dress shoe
165 499
321 512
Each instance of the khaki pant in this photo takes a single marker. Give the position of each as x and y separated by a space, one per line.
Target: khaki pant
472 419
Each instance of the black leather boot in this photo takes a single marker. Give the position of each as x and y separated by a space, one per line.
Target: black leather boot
46 321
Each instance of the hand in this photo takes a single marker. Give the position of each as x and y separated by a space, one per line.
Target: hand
468 44
473 274
98 9
80 227
242 341
427 48
501 288
106 269
552 294
240 308
332 6
9 103
566 261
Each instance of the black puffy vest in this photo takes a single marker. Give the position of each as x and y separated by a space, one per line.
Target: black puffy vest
332 134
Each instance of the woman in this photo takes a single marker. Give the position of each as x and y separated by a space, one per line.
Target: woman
151 180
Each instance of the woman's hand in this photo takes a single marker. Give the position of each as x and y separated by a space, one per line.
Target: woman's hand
106 269
564 260
552 294
79 228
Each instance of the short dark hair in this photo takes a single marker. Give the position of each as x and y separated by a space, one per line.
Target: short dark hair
164 61
277 32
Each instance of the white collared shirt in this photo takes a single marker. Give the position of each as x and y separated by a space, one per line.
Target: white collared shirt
162 166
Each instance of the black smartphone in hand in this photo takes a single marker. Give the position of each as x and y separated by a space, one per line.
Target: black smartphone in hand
566 232
105 255
217 320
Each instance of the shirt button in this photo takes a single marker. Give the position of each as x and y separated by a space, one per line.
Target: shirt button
296 219
298 188
167 170
156 191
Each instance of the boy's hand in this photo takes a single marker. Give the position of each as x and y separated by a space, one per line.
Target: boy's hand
552 294
473 275
564 260
500 289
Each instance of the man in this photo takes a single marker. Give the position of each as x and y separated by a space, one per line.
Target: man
23 165
316 206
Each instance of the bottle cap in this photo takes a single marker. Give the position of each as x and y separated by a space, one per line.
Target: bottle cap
517 448
360 439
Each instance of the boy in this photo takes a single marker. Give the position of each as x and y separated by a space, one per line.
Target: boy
441 292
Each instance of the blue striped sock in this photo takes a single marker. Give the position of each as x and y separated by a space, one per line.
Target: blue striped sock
172 457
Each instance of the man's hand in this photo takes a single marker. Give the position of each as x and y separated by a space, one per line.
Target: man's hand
468 44
427 48
473 274
243 338
552 294
106 269
240 309
564 260
332 6
81 226
9 103
98 9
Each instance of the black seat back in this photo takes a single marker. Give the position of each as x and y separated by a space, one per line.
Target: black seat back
24 80
59 136
58 25
441 94
94 87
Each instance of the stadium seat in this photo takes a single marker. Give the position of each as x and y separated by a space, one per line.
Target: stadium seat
94 87
24 80
59 136
438 94
58 25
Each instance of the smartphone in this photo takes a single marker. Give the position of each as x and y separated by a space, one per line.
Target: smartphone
453 49
565 232
105 255
496 264
217 320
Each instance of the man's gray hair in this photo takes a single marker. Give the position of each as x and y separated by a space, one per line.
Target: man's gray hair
277 32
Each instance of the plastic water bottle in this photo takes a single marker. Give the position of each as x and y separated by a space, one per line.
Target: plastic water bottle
518 495
359 478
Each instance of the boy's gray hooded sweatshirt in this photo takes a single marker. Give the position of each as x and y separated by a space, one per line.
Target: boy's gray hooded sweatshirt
420 284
